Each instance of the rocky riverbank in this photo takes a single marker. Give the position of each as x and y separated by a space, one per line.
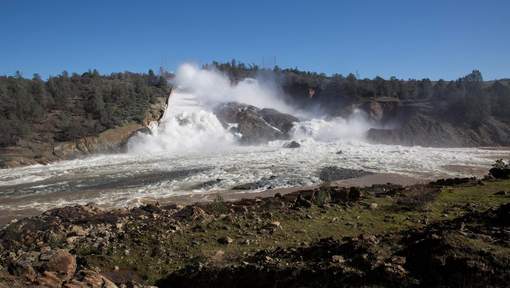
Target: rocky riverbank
446 233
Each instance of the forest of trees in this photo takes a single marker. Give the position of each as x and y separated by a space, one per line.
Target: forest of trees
74 105
468 100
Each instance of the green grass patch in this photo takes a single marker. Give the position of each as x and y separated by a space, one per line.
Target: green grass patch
297 226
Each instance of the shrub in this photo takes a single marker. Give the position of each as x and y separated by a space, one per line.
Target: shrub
500 164
417 197
218 206
500 170
323 195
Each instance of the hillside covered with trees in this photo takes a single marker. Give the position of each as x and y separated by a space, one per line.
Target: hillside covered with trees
67 107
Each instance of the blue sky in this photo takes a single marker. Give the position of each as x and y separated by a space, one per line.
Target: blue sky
408 39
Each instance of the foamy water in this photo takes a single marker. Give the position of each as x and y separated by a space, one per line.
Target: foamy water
119 179
191 152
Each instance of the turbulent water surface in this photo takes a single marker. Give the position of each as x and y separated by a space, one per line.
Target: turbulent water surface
191 152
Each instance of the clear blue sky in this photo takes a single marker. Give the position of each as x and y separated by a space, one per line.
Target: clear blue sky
405 38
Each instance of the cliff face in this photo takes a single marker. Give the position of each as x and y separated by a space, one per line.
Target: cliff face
418 124
107 141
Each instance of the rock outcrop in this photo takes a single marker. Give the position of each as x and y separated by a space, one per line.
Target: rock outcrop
254 124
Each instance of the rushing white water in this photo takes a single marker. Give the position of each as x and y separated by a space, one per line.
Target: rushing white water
191 152
120 179
352 128
211 87
189 125
185 128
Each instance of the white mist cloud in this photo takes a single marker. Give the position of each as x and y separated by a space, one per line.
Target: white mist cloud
353 127
212 87
184 133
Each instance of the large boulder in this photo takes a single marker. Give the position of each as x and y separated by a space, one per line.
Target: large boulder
254 124
282 121
63 263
